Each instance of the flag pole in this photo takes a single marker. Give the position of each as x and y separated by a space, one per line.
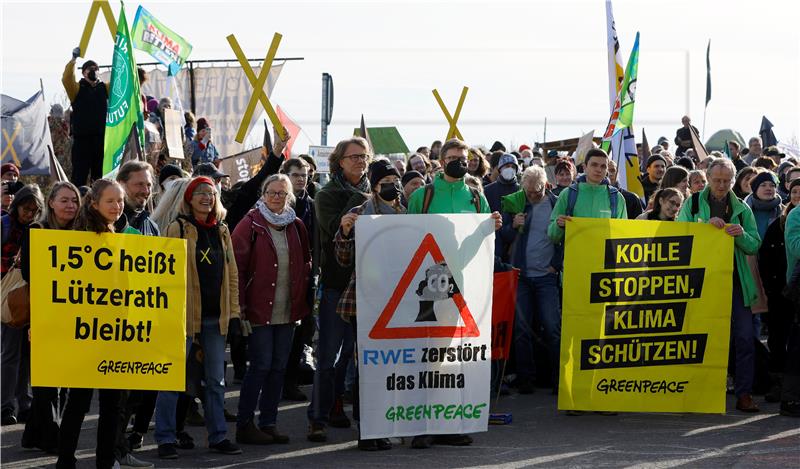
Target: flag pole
705 110
544 139
619 155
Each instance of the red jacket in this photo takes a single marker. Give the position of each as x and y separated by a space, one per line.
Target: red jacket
258 268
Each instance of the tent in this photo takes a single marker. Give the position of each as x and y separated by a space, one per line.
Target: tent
717 141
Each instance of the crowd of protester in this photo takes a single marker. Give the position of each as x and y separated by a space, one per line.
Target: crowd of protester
299 239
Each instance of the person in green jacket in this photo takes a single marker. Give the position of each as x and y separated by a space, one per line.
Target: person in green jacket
790 392
719 206
791 234
593 196
450 195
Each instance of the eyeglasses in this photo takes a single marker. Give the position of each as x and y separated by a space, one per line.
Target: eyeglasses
201 194
278 194
463 159
358 157
298 175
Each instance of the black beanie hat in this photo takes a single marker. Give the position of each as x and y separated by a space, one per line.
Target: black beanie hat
497 146
379 170
168 171
763 176
409 175
654 158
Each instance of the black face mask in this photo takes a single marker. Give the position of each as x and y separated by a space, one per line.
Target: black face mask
456 169
92 75
389 191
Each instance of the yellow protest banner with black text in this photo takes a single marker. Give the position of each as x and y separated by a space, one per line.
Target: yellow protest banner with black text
646 316
107 310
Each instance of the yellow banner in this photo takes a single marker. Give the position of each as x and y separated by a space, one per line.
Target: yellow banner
646 316
107 311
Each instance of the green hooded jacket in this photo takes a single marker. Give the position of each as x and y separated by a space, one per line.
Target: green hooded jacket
448 197
792 235
744 245
592 202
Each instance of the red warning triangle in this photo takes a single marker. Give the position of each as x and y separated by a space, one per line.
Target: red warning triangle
380 329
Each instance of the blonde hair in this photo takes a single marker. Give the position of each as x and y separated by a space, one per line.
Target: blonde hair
169 203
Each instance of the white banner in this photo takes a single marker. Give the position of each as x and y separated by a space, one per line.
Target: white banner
424 323
221 96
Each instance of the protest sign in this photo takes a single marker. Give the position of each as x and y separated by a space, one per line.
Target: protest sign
173 131
646 318
424 323
320 155
107 311
243 166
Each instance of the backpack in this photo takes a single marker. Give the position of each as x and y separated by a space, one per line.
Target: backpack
572 198
426 201
696 207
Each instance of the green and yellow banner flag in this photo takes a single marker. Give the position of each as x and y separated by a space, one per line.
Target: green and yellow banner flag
621 120
124 104
622 115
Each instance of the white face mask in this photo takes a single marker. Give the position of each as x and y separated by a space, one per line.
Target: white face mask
508 174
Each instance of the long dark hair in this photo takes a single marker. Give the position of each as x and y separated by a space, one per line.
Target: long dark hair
89 219
29 193
659 197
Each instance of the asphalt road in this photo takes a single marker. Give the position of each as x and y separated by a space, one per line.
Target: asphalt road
539 436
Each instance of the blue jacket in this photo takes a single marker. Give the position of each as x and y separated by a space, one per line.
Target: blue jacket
519 240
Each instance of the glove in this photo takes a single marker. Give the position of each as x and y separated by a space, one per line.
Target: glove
76 52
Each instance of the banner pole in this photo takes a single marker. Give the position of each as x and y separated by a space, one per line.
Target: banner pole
500 383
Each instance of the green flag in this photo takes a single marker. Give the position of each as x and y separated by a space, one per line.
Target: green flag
622 115
151 36
124 103
628 90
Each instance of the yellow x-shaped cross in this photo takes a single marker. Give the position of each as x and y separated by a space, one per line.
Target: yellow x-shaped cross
258 86
204 255
453 131
97 5
10 145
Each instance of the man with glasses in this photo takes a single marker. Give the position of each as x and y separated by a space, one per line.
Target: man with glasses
348 188
718 205
299 171
89 98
